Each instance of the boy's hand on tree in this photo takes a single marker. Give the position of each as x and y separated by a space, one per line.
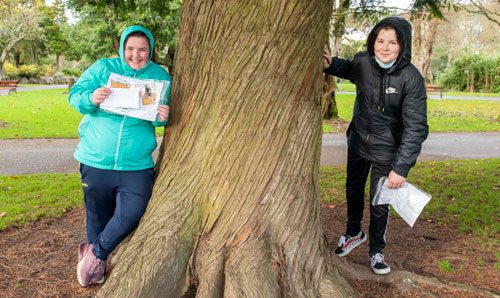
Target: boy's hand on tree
327 59
100 95
395 180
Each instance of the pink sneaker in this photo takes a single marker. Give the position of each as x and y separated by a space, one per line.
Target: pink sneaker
90 270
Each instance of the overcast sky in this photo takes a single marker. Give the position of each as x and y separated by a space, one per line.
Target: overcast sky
398 3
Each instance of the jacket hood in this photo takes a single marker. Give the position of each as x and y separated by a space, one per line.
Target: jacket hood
124 36
403 32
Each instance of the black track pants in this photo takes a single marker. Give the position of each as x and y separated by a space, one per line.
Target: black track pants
358 169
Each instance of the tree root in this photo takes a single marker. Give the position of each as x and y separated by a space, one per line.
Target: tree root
405 281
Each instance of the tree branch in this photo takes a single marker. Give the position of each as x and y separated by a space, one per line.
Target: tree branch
482 11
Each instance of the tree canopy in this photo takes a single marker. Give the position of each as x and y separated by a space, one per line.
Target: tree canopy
17 22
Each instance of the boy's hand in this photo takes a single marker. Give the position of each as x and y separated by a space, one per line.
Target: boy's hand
100 95
395 180
327 59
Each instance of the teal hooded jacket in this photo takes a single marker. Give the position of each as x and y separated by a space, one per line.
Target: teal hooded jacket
110 141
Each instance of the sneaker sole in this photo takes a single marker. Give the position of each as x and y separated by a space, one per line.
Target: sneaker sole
382 271
78 273
345 252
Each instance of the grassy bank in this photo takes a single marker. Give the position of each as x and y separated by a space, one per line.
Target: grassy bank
464 192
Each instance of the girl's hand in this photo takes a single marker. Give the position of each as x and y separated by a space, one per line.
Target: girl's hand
163 112
100 95
327 59
395 180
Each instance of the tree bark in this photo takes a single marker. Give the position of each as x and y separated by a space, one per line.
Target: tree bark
425 30
235 209
328 102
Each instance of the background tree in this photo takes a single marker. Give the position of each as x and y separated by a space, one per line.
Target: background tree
54 19
101 23
17 22
490 9
424 35
359 10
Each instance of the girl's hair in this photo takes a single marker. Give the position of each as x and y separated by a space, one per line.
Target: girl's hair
138 34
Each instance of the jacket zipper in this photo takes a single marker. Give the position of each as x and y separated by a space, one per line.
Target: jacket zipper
382 93
119 141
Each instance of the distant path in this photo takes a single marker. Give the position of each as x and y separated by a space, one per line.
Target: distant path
44 87
30 156
435 96
31 88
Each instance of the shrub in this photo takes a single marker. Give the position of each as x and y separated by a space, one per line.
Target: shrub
48 70
10 70
28 71
72 72
473 72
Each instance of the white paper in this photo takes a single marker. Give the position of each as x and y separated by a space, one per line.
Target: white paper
150 94
408 201
122 98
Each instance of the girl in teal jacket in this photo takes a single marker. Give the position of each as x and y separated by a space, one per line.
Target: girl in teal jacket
115 152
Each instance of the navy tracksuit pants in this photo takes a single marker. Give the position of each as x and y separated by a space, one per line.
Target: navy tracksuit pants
358 169
114 202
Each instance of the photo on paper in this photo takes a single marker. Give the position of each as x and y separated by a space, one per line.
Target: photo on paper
147 94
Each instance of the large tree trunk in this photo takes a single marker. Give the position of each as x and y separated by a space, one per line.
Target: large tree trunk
425 30
235 210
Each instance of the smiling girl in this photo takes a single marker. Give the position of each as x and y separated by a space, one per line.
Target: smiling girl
115 153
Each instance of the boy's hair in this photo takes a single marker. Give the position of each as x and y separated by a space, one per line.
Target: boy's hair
389 26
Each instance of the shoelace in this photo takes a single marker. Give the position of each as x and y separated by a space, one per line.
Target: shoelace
377 258
342 241
96 268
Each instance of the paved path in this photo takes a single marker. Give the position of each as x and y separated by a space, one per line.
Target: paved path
44 87
30 156
438 146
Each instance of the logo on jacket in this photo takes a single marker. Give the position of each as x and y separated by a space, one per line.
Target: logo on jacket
391 90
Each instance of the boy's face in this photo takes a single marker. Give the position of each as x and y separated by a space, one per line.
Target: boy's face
137 52
386 46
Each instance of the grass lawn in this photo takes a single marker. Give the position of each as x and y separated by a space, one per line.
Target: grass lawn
449 115
47 114
463 191
28 197
39 114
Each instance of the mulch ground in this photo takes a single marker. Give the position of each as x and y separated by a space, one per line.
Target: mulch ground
39 259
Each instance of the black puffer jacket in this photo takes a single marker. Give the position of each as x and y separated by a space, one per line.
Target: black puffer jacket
389 122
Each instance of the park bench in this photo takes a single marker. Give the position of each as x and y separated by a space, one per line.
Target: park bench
9 85
430 88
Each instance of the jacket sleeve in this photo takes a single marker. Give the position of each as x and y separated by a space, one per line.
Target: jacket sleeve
81 93
341 68
414 113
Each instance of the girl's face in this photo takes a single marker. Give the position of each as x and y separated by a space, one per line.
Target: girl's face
386 46
136 52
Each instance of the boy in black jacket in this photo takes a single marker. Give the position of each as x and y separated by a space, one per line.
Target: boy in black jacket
388 127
